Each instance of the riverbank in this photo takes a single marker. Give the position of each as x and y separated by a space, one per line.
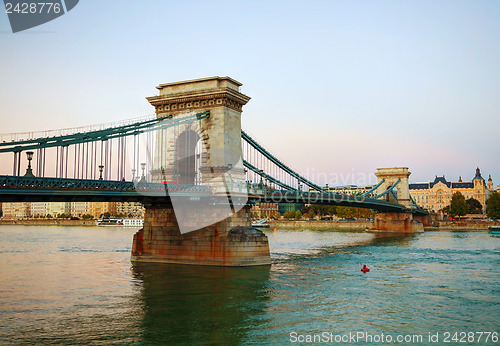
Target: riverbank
283 224
464 226
362 225
46 222
320 225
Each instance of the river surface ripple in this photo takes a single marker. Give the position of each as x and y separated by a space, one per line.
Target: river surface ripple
76 285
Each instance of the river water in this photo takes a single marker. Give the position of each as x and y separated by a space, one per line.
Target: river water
76 285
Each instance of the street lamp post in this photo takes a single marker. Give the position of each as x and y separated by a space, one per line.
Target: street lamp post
143 167
101 167
246 181
29 171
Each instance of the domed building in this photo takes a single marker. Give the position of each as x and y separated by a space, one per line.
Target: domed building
437 194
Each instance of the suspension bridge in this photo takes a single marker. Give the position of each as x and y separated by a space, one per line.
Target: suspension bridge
195 170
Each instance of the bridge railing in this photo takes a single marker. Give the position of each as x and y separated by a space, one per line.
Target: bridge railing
21 182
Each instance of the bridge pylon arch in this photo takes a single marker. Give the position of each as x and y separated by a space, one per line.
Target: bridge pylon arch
220 133
211 231
390 176
400 222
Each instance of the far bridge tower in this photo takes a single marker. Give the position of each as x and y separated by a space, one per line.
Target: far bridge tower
396 221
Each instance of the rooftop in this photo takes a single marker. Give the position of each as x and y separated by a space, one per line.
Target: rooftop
456 185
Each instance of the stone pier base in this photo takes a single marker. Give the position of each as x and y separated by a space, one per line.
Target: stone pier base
427 220
225 243
396 222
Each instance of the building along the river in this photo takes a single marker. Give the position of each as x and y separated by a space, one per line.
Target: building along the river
437 194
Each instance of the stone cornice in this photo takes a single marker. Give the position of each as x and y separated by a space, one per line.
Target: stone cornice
199 99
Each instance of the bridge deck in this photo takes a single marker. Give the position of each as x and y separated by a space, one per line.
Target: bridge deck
34 189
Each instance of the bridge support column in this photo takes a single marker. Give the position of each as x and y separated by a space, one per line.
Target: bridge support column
396 222
427 220
221 244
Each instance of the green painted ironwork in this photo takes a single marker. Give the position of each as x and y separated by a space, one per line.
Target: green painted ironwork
373 189
278 163
35 188
280 196
14 188
100 135
266 176
388 190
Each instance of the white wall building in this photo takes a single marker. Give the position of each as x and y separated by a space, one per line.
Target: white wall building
135 209
16 210
79 208
38 209
55 208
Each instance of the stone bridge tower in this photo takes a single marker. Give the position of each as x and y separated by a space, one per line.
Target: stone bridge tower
403 222
390 177
204 152
212 144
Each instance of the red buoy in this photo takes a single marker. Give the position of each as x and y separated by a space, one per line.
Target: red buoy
365 269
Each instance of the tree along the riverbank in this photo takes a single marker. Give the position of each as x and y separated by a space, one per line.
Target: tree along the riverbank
313 210
493 205
474 206
292 214
459 206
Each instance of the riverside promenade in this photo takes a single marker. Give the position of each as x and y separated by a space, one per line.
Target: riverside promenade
361 225
358 225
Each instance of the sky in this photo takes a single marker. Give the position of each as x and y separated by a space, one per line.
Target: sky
338 88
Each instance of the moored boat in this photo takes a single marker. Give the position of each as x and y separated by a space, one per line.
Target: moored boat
120 222
494 229
133 222
109 222
261 224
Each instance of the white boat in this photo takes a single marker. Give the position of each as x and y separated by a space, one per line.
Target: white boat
261 224
109 222
120 222
133 222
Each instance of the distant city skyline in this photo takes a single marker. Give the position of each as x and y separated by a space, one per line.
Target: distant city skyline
337 88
